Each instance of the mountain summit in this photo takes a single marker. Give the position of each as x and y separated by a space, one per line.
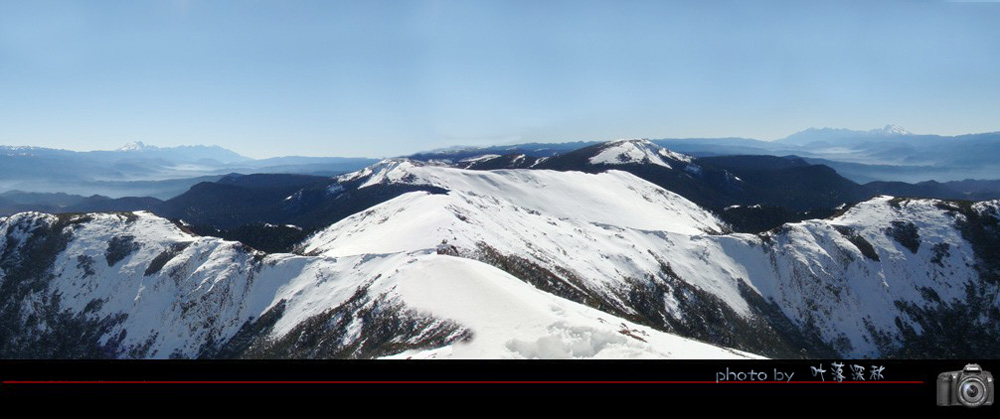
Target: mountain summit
136 146
641 151
891 129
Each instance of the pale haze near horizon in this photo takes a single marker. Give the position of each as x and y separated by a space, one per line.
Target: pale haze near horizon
390 78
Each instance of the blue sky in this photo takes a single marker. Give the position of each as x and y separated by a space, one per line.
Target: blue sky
384 78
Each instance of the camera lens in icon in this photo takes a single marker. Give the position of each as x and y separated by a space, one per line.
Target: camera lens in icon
971 392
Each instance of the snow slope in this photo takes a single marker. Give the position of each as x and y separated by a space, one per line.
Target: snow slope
510 264
636 152
598 228
612 198
138 286
512 319
821 278
850 284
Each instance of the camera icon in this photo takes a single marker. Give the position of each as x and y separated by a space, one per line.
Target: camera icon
970 387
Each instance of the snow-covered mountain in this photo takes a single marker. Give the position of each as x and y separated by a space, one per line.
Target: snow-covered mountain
137 286
716 183
136 146
860 284
636 152
174 155
891 129
511 263
890 153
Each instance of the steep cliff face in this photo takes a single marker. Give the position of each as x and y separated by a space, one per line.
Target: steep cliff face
891 278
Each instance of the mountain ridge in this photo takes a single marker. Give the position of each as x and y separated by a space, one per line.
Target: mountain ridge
231 301
852 244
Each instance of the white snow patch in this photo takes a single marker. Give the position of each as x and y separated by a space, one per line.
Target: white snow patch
638 152
511 319
480 159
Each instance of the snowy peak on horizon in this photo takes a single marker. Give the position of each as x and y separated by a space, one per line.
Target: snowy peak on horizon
824 134
184 153
891 129
636 151
137 146
143 147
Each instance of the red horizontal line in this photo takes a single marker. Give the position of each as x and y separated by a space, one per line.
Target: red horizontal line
130 382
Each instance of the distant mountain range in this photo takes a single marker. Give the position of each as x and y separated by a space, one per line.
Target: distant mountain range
752 193
889 154
813 135
137 169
